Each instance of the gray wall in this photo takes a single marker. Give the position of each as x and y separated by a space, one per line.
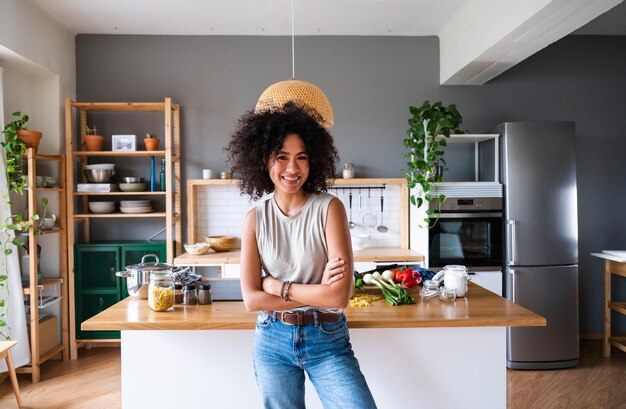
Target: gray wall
371 81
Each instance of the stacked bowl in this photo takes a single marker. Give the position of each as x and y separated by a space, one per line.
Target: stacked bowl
136 206
99 172
102 207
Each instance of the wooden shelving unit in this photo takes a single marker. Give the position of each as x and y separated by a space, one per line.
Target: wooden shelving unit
75 155
35 288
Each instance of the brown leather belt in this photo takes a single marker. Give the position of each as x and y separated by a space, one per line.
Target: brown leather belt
304 318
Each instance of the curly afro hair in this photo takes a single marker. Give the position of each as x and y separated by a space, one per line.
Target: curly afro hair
259 136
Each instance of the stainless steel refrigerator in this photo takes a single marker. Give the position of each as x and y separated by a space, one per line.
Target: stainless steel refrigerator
538 166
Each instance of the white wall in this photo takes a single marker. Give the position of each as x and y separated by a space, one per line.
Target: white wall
38 54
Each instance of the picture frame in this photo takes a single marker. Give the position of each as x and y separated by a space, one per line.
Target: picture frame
122 143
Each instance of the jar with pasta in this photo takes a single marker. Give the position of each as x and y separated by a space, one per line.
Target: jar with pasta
161 291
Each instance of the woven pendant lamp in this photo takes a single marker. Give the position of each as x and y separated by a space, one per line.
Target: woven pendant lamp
300 92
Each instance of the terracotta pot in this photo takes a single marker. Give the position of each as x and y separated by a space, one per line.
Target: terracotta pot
94 142
152 144
30 138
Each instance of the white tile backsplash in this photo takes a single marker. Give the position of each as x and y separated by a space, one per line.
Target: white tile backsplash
221 210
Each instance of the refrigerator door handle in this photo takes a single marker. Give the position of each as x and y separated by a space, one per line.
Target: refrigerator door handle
513 297
511 242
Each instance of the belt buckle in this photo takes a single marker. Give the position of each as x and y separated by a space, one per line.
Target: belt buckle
282 317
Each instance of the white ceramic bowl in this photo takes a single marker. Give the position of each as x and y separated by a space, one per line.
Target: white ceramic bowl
197 249
132 187
145 209
359 241
135 203
102 207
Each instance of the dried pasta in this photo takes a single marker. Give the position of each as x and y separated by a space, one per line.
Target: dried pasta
161 298
363 300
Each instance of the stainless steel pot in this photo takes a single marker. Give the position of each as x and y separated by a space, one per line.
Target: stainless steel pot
138 275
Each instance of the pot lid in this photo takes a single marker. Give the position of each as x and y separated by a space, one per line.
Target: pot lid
150 266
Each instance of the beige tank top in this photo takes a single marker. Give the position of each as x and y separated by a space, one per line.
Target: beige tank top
293 248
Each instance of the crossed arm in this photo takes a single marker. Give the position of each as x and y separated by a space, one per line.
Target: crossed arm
334 290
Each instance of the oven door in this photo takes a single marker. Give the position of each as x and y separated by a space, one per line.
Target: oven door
469 239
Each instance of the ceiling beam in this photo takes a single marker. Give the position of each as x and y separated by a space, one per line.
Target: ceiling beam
484 38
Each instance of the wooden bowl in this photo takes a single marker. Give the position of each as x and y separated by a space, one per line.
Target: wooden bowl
222 243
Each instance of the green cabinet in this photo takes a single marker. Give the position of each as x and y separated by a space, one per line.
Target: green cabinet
96 285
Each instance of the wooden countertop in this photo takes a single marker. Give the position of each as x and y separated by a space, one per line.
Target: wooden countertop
381 254
481 308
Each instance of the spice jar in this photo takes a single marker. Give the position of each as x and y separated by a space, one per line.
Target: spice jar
348 170
224 175
447 294
205 296
178 294
161 291
190 296
430 289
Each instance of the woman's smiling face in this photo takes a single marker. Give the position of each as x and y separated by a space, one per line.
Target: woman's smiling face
289 168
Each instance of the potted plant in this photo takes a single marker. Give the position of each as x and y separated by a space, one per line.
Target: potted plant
19 129
429 126
152 141
46 222
93 141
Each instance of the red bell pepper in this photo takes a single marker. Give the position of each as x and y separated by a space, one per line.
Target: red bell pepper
410 278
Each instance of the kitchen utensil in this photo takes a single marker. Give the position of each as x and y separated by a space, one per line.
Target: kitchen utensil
98 175
221 243
382 228
351 223
138 275
369 220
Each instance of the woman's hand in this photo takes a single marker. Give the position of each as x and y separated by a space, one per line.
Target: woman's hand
334 271
272 285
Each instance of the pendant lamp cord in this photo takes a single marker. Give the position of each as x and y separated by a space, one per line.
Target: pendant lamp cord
293 48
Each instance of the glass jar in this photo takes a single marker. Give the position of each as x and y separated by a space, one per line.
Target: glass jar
447 294
161 291
456 277
430 288
178 294
190 295
348 170
205 296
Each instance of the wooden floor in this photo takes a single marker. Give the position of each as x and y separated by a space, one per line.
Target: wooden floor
93 381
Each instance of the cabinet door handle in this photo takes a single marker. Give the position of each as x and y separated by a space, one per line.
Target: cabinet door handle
101 301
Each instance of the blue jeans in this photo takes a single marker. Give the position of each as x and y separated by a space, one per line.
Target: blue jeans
282 353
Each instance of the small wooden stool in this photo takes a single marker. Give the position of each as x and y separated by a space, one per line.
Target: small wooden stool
6 354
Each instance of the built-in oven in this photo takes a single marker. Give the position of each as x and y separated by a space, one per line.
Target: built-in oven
469 232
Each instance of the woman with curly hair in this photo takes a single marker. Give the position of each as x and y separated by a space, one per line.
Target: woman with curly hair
296 260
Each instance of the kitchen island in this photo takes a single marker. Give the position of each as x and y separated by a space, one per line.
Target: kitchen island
433 354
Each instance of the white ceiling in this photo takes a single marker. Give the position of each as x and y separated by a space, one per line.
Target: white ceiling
479 39
253 17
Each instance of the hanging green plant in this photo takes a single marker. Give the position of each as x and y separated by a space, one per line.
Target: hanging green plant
427 125
15 149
